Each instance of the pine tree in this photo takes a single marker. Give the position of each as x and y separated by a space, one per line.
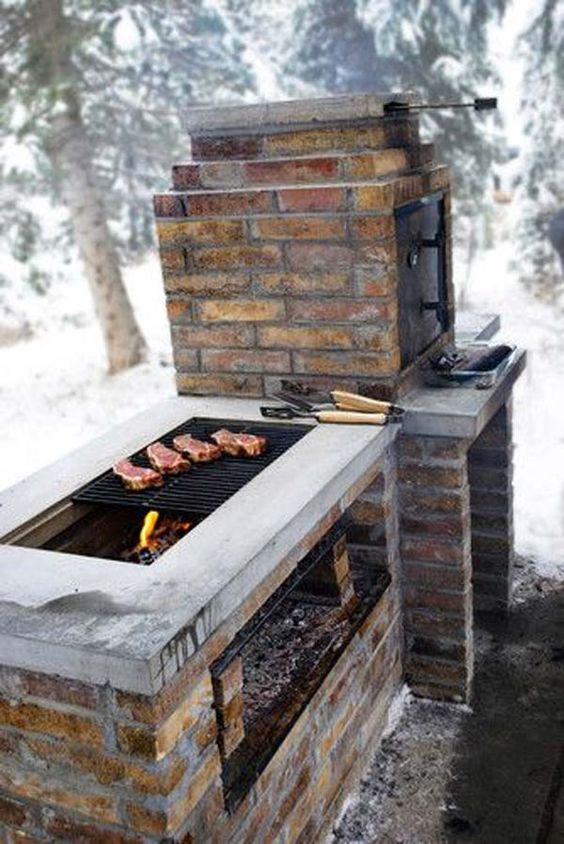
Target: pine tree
541 191
437 48
94 91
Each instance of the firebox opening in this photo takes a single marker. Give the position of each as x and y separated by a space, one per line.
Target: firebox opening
124 534
272 669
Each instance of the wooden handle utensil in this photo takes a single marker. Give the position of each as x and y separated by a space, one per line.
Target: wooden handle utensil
352 401
348 417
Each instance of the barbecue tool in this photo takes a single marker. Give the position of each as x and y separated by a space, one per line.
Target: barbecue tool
339 399
477 104
343 417
354 401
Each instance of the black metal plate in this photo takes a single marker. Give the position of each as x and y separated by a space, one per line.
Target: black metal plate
206 486
421 281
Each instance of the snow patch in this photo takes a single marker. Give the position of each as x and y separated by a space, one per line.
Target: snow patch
401 699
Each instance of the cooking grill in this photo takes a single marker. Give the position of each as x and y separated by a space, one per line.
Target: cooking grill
206 486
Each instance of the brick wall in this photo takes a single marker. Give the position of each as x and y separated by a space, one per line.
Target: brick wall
89 763
456 529
491 493
436 566
279 256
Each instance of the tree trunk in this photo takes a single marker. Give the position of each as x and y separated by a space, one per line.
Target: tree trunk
71 158
52 38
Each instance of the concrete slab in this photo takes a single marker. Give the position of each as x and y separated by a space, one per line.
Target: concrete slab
458 411
470 327
289 113
102 621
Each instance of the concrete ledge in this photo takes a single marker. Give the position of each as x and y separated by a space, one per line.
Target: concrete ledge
470 326
101 621
207 119
458 411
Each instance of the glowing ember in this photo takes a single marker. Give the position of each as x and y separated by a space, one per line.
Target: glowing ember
158 534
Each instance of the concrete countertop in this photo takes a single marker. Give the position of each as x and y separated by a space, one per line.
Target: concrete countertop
104 621
285 114
470 326
458 411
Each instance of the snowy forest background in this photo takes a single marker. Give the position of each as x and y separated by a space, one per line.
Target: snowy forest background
91 99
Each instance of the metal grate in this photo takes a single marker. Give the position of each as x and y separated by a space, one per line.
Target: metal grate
206 486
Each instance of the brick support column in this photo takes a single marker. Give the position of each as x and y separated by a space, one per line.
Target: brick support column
436 566
490 464
228 701
373 540
332 577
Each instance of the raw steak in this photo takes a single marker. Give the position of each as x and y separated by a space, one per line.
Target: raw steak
239 445
136 477
196 450
166 460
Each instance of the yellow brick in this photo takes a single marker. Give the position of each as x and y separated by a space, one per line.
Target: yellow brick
172 259
375 339
371 165
335 731
302 282
371 228
294 337
231 257
183 232
374 197
184 717
241 310
198 784
218 284
29 716
146 820
300 228
342 363
208 384
339 139
47 790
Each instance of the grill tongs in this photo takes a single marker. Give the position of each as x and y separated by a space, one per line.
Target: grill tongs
340 408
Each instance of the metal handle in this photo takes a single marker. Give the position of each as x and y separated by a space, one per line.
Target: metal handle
478 104
279 413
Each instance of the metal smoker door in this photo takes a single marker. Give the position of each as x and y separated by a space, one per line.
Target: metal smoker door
422 291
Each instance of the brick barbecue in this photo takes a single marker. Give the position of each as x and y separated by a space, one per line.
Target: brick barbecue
235 688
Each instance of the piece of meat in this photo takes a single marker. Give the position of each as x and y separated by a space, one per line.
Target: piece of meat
196 450
239 445
136 477
166 460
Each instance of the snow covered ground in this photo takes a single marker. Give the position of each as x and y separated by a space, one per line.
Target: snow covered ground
55 396
538 404
54 393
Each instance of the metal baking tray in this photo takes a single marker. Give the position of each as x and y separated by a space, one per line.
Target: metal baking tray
470 378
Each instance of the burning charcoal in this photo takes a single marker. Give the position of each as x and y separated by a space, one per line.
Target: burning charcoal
146 557
157 535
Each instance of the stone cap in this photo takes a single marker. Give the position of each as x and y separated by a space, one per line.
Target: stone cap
248 117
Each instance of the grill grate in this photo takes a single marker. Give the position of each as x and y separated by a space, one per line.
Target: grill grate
206 486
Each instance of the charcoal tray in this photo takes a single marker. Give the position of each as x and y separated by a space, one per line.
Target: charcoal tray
206 486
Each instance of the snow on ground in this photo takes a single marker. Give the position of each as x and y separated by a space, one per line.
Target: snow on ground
538 404
55 395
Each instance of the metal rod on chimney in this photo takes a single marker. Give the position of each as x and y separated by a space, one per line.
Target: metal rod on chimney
478 104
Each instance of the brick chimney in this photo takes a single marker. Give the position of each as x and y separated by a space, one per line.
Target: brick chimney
282 253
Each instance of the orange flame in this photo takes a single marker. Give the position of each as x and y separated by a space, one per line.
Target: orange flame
149 523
